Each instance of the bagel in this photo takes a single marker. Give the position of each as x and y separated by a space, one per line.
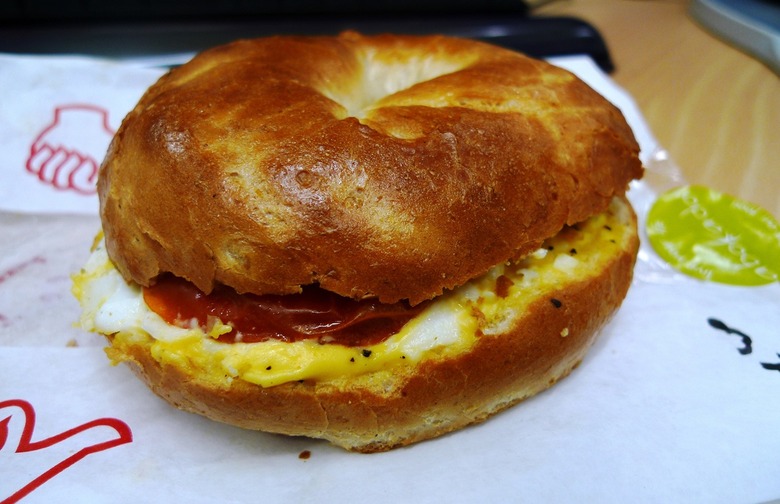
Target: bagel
468 200
389 167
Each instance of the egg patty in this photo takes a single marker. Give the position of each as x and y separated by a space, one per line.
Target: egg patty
451 324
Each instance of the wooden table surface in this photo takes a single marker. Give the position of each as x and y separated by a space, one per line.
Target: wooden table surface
714 108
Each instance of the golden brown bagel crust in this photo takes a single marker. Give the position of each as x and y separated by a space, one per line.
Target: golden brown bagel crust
382 410
388 166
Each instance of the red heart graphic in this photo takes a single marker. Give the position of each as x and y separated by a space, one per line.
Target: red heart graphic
26 444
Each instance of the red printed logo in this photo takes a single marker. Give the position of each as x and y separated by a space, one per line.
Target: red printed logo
43 459
67 153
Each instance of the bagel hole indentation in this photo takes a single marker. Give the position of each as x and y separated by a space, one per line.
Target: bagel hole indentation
384 77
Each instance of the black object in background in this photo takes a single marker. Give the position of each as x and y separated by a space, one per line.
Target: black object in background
153 27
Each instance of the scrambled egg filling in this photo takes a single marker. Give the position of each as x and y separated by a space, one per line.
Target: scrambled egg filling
485 306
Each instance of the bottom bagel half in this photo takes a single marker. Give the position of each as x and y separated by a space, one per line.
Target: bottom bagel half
469 354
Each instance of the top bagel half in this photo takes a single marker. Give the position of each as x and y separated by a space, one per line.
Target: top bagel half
394 167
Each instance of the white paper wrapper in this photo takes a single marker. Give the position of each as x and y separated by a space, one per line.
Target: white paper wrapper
665 408
57 118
